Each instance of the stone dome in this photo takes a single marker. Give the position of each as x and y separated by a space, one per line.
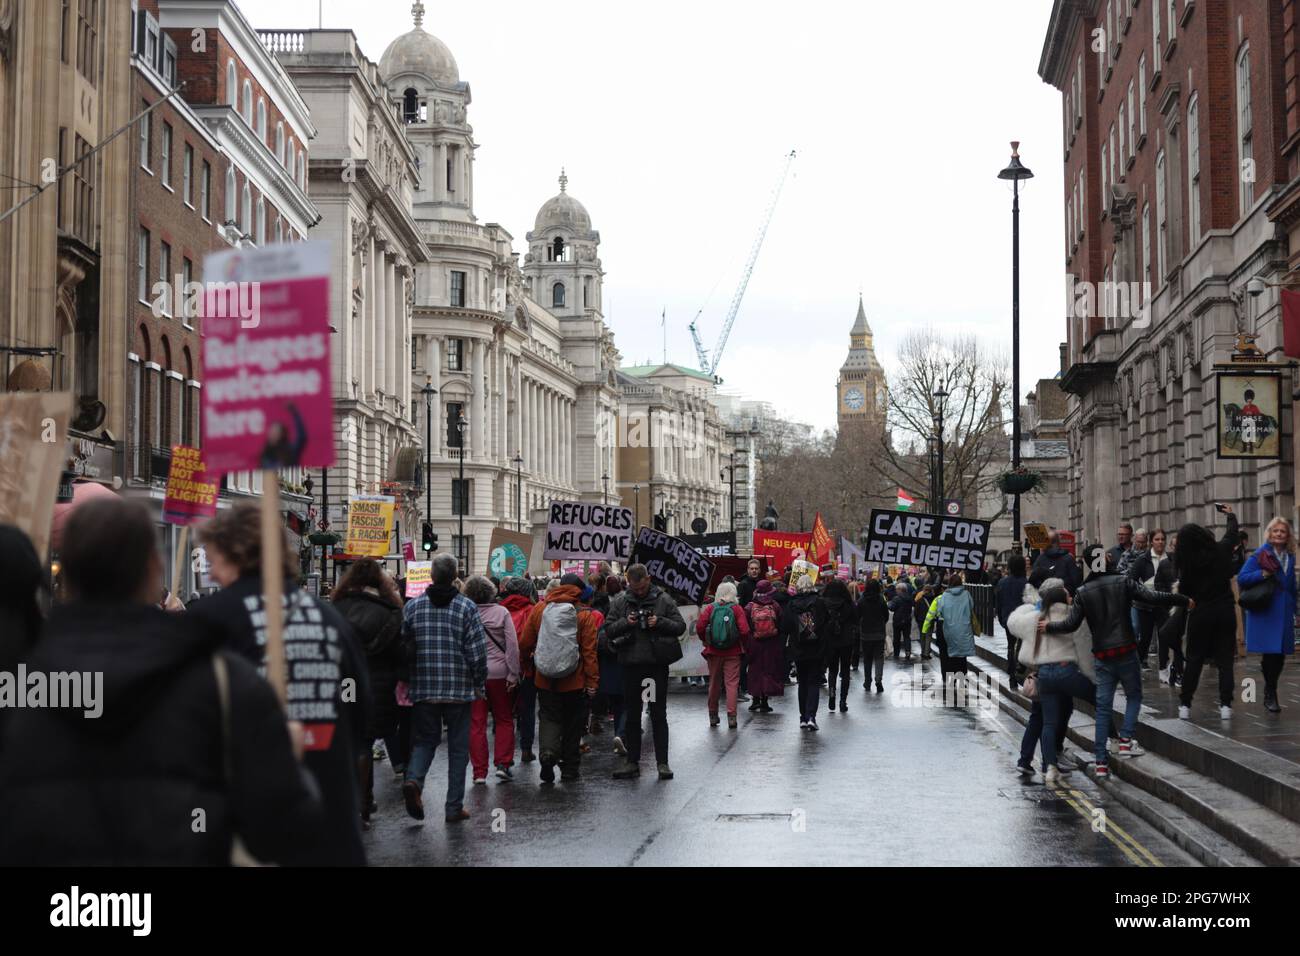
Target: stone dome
564 211
420 52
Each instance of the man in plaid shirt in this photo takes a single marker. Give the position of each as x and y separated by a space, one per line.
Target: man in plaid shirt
449 673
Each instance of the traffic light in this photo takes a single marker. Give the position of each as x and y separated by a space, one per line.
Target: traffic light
429 539
661 523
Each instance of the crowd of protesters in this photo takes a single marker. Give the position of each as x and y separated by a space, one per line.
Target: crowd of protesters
192 730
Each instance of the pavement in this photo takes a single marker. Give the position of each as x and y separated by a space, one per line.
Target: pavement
900 780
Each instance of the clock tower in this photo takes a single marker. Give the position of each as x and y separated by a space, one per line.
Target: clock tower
861 392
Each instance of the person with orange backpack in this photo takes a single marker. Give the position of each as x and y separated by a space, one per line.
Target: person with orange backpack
764 648
722 628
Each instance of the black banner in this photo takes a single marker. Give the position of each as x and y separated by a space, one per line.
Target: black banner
715 545
932 541
673 563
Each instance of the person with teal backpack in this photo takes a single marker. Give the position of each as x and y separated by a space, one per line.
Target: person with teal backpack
721 627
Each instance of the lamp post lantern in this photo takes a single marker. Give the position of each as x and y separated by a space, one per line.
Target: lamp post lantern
1015 172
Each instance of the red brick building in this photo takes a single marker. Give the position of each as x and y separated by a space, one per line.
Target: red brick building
1173 128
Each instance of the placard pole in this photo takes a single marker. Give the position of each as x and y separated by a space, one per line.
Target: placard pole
277 669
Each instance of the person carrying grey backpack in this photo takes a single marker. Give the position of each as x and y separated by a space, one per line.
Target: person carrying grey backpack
559 641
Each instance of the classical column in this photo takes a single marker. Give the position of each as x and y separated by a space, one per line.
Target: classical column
440 174
380 367
433 365
548 435
476 383
397 333
367 375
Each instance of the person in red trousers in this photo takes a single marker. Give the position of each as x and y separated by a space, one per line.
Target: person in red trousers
722 648
499 691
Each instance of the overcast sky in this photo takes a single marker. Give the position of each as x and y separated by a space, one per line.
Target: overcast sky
672 120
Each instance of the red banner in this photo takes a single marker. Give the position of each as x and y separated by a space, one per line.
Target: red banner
782 547
820 547
191 493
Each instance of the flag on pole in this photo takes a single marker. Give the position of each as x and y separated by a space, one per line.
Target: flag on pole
905 501
819 545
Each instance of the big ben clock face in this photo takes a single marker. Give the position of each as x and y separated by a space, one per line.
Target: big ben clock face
854 399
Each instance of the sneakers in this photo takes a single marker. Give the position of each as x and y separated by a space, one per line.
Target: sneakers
480 781
803 725
1102 771
742 697
665 772
1164 675
1023 770
812 724
619 747
414 800
1052 777
378 752
1225 712
713 720
1130 748
627 770
503 773
1184 712
731 721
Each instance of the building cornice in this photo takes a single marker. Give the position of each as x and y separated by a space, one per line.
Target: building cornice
1053 63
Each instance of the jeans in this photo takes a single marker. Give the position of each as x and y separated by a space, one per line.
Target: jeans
1211 632
1058 685
526 712
1034 732
633 703
810 688
426 734
873 653
562 717
1122 671
903 639
723 670
500 704
839 661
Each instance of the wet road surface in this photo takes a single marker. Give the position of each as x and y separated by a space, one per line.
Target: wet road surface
897 781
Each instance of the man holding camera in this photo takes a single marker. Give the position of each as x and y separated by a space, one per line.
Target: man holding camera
644 627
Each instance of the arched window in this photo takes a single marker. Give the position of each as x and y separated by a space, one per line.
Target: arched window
247 107
246 217
302 170
558 250
261 120
557 295
232 194
279 144
1245 122
260 230
410 105
279 229
164 417
187 399
232 85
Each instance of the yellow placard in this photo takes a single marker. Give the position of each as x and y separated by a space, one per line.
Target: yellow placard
370 525
1037 534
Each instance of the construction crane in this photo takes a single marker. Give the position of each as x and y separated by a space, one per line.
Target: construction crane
710 365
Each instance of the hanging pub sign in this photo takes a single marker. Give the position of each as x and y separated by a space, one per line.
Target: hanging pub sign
1249 414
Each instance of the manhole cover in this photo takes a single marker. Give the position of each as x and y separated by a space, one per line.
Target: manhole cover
748 817
1032 794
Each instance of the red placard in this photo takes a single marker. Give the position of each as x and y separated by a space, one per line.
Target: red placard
782 547
191 492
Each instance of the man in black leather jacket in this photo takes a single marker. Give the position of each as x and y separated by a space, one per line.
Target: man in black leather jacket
1106 602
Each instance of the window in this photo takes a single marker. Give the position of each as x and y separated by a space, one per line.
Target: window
410 105
1119 156
1105 172
87 17
63 32
458 289
279 229
1245 122
1173 21
164 275
451 187
1142 95
1115 164
1083 202
460 496
302 170
187 401
1162 222
246 109
557 295
169 62
142 266
260 226
205 186
83 196
261 121
1132 123
246 213
232 85
1155 34
279 146
1194 170
455 355
232 194
146 136
166 154
1146 249
189 307
187 174
454 412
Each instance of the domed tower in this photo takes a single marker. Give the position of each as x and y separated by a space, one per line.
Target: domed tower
861 391
423 78
562 266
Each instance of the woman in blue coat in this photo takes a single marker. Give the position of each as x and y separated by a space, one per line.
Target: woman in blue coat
1272 632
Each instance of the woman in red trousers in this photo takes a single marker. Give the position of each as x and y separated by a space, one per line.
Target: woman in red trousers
722 626
502 679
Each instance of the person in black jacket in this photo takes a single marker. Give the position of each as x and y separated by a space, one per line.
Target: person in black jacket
900 606
873 617
1008 594
1106 601
328 688
368 600
839 637
1055 562
803 628
1205 575
169 733
21 579
1170 625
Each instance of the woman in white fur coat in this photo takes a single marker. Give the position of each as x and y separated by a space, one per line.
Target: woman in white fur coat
1065 669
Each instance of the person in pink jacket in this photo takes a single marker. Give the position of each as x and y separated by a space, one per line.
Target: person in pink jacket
502 680
722 648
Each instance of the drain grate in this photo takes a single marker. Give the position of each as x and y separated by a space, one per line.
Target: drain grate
1032 794
750 817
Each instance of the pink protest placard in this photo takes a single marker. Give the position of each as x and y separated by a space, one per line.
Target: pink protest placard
191 491
266 395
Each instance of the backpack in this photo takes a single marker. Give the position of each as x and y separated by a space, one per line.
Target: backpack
763 618
807 632
722 627
557 654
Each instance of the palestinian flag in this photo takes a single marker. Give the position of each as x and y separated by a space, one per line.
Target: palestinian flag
905 501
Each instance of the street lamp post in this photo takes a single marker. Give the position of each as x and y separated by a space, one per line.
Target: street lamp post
942 396
461 425
428 392
518 462
636 497
605 481
1015 172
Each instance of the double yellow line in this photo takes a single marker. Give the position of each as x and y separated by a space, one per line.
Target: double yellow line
1137 854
